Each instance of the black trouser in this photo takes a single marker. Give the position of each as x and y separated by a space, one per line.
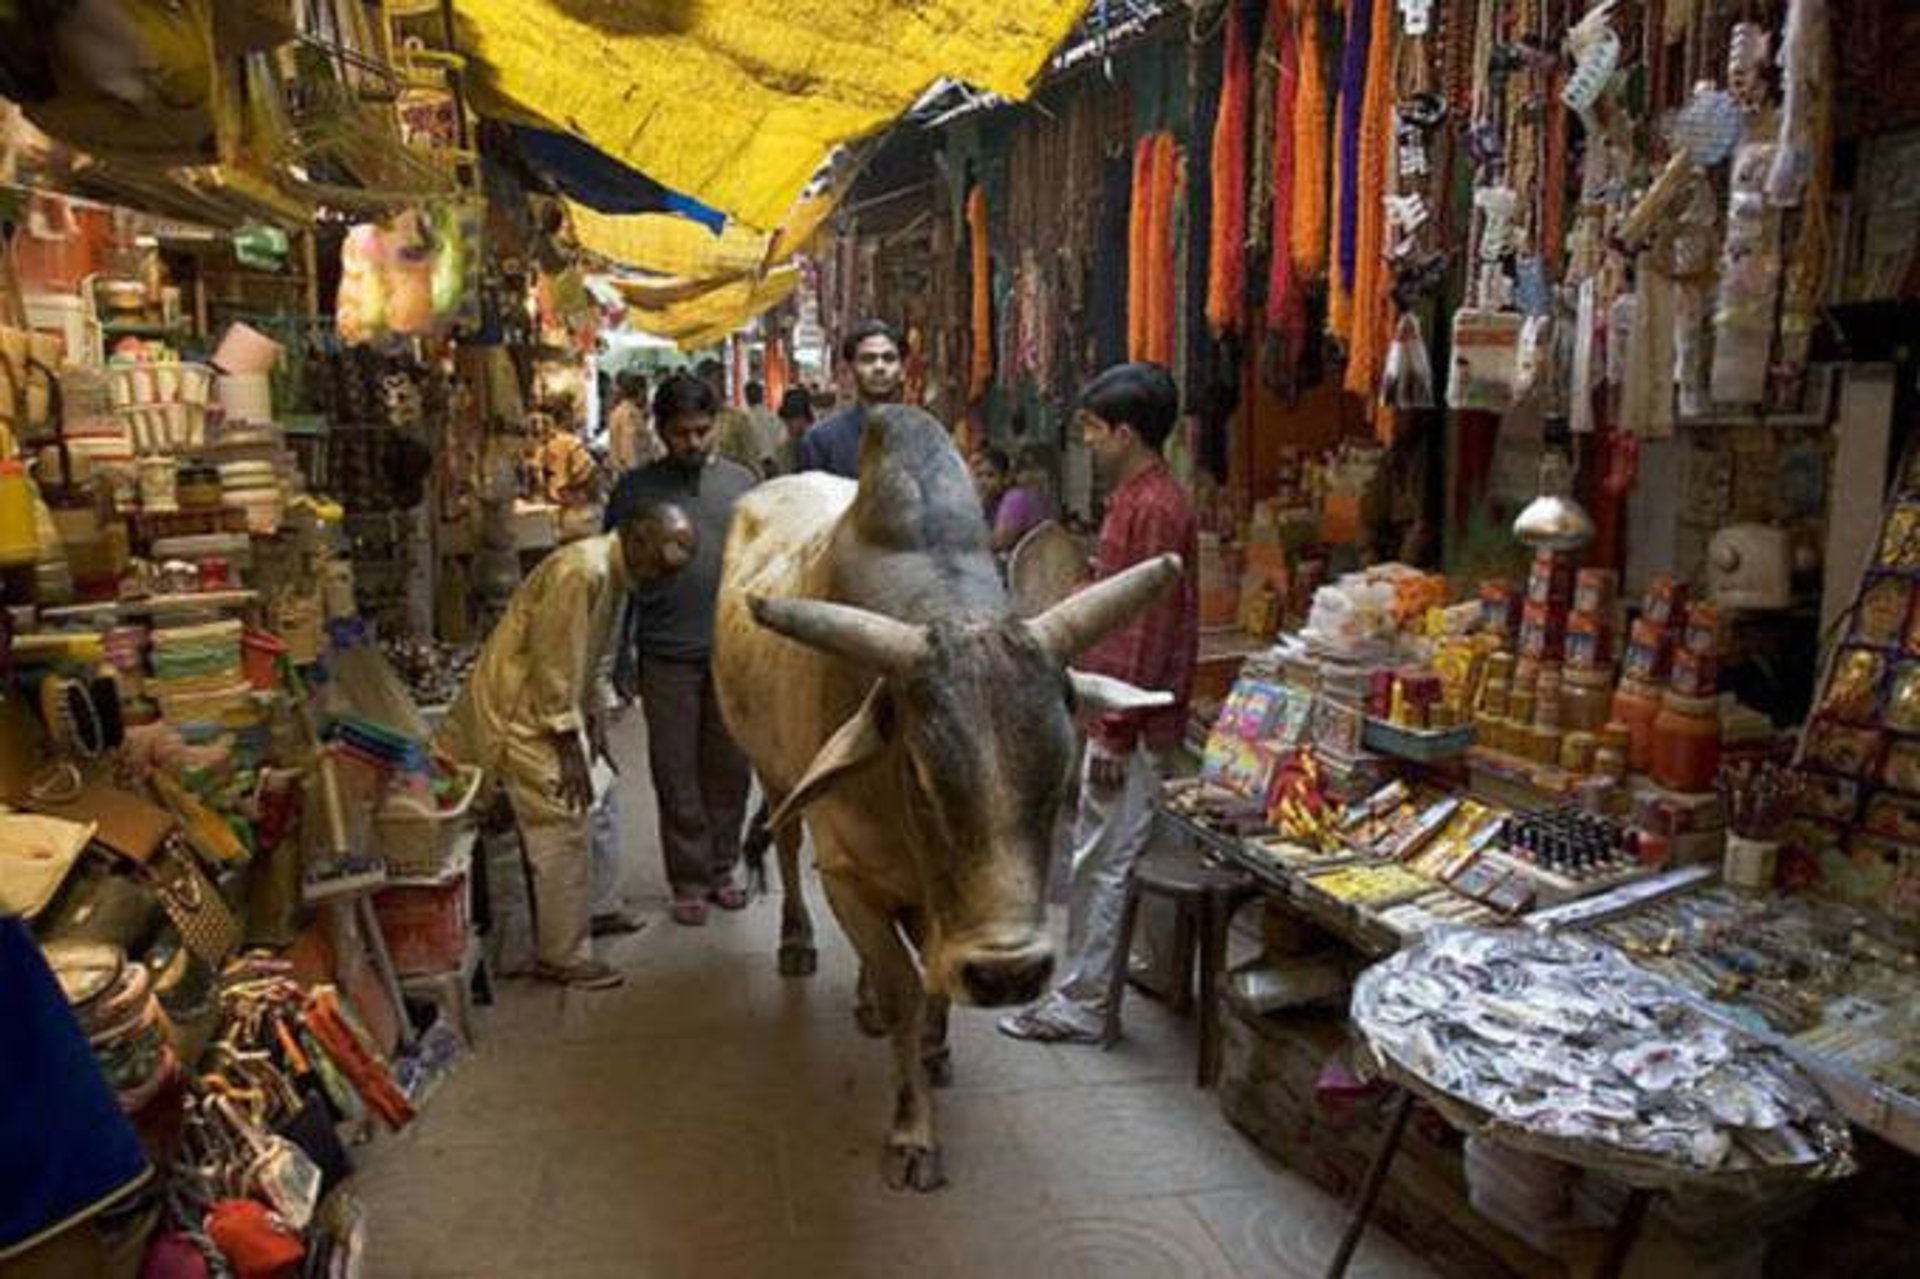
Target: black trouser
700 778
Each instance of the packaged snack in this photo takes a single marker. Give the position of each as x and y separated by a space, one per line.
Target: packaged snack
1900 540
1884 611
1902 768
1839 748
1666 602
1903 702
1695 674
1594 590
1853 693
1832 799
1894 816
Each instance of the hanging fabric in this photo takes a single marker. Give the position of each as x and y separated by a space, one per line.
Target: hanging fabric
1139 214
1111 282
1370 329
1346 176
1163 168
980 368
1308 215
1227 230
1286 308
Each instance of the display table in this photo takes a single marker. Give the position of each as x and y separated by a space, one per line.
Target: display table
1561 1048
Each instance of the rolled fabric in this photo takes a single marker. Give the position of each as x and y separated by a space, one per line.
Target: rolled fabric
980 370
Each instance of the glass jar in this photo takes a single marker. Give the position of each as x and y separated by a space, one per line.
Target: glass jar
1586 700
1636 705
1686 743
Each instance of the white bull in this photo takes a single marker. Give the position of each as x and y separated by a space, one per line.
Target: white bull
868 663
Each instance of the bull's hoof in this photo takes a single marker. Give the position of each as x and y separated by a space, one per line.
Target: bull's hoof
939 1068
868 1018
915 1168
799 960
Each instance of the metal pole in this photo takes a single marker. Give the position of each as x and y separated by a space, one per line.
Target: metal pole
1370 1187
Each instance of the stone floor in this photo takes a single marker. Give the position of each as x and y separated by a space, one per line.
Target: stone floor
710 1118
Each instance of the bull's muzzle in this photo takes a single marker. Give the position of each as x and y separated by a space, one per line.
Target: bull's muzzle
990 978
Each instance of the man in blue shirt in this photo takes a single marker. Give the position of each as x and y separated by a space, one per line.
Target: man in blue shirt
833 444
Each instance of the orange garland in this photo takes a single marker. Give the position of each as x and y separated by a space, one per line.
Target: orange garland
1227 254
1308 216
1367 343
1161 293
1138 211
980 371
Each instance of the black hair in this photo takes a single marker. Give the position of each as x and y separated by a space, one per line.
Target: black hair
850 344
996 458
1141 397
683 393
708 367
755 393
796 403
630 383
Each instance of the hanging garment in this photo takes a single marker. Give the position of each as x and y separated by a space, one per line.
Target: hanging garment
980 366
1370 331
1227 228
1309 205
1139 215
1162 294
1286 309
1346 185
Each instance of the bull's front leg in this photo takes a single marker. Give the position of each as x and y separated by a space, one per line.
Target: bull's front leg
798 957
912 1156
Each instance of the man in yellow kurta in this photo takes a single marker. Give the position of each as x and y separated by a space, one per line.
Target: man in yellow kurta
530 715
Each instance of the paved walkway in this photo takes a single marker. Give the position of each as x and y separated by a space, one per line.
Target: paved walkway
711 1118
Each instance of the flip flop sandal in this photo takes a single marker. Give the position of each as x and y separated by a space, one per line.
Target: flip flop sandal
729 896
690 911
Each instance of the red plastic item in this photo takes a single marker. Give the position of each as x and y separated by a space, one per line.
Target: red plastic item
260 654
255 1243
425 924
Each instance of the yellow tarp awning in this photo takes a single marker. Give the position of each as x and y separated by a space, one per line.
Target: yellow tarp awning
709 316
669 245
737 102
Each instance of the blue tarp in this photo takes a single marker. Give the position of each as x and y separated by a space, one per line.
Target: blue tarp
594 178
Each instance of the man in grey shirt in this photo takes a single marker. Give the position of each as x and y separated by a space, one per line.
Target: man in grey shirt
700 778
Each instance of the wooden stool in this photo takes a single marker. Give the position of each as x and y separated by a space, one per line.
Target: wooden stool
1205 897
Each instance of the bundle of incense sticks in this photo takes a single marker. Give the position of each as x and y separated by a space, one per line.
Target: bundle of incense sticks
1758 796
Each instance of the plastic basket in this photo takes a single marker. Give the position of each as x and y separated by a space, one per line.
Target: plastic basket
419 845
425 925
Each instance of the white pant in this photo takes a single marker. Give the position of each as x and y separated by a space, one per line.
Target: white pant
1110 831
608 893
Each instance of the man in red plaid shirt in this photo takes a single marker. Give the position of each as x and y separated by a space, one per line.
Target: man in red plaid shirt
1125 416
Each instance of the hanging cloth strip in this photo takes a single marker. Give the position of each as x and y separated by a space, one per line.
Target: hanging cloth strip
1309 211
1162 295
980 366
1139 213
1370 329
1227 254
1286 308
1346 184
1266 114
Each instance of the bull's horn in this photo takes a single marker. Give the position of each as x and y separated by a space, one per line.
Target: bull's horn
1099 694
874 641
1083 619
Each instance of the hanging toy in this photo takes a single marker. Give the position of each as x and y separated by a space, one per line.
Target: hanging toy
1407 378
1595 52
1747 66
360 313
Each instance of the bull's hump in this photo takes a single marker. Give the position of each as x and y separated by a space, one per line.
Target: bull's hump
915 492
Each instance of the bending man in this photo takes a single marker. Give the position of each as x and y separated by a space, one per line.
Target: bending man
531 712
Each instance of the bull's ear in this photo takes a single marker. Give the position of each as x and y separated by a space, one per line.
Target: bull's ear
1101 694
856 742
